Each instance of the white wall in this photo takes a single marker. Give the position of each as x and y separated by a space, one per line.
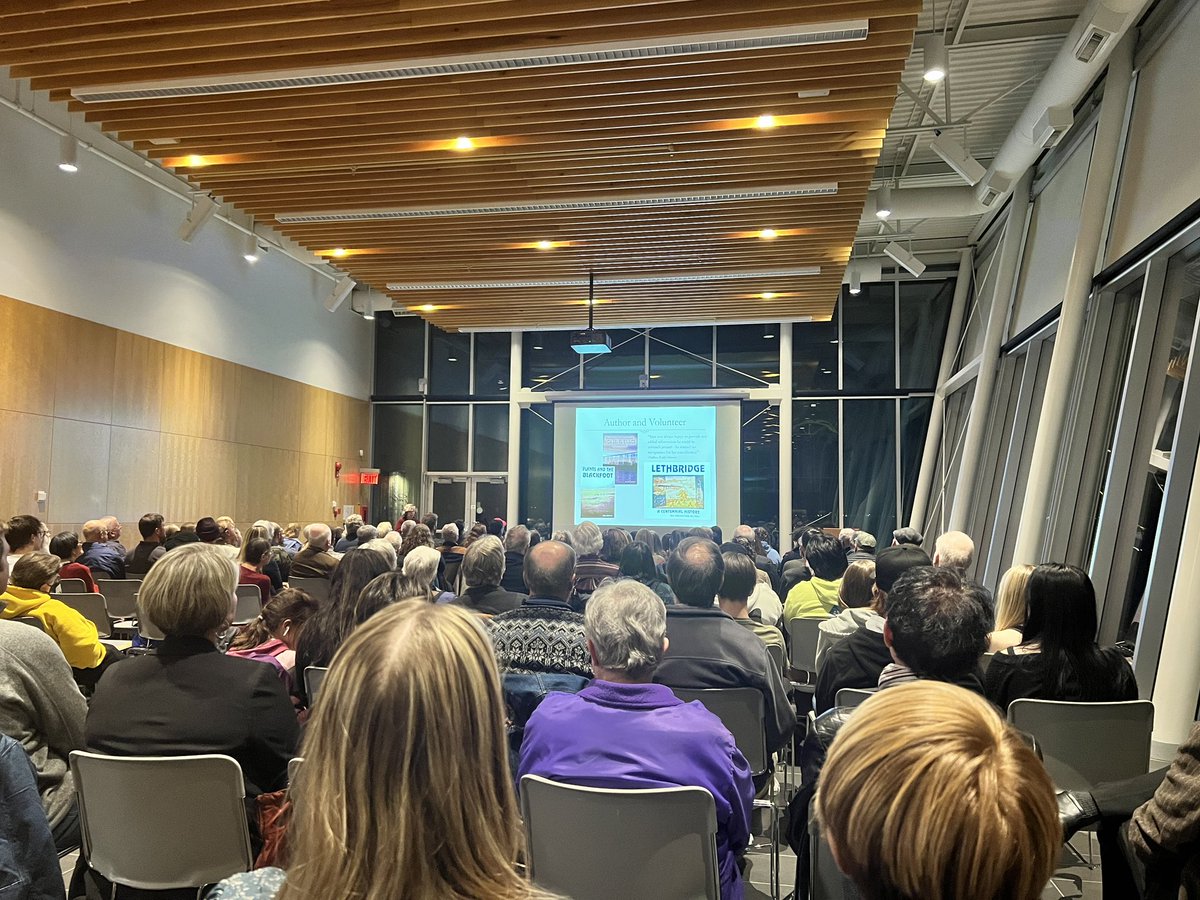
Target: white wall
1160 175
101 244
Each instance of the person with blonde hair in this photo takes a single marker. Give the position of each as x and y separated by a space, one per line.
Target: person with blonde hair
1011 607
927 793
379 815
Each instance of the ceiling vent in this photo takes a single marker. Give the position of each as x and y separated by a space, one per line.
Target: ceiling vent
663 278
502 209
503 61
1098 34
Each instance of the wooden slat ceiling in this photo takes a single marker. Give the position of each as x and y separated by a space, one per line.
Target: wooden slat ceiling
616 129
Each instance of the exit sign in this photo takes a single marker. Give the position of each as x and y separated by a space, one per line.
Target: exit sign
370 477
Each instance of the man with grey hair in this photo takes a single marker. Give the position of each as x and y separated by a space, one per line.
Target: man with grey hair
863 548
516 545
954 550
314 560
623 731
350 541
590 569
483 571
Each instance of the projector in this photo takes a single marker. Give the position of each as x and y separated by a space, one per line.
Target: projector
591 340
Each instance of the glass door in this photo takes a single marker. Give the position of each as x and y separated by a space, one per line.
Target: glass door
490 498
449 497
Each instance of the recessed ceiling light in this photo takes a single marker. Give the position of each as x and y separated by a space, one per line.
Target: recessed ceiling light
464 143
813 94
765 122
338 252
768 234
196 161
768 295
164 142
545 245
428 307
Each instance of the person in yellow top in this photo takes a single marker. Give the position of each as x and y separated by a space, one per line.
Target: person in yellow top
816 598
28 595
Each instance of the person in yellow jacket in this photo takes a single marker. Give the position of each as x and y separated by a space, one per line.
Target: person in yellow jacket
816 598
28 595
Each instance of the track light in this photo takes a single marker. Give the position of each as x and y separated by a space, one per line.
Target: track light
203 208
250 248
855 281
937 59
883 202
905 259
768 332
340 292
955 155
68 153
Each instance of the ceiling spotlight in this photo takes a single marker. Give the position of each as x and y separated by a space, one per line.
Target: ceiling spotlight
765 122
545 245
937 58
428 307
905 259
955 155
68 153
768 332
538 346
855 281
203 209
339 252
768 234
451 359
464 143
768 295
195 161
250 248
883 202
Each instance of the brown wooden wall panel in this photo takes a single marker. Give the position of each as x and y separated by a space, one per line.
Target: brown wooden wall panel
108 422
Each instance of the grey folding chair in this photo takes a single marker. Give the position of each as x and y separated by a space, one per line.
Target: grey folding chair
317 588
93 608
314 676
853 696
597 843
148 629
121 596
32 621
802 640
743 712
162 823
71 586
249 604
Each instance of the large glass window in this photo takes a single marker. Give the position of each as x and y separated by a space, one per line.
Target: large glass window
815 463
869 340
760 465
399 355
621 369
815 356
914 422
681 357
870 465
491 437
537 467
449 363
397 455
448 429
492 353
548 362
924 315
748 355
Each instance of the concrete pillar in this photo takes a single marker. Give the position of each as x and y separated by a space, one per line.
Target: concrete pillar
785 437
514 428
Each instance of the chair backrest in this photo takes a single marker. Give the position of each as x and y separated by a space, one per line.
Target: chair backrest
313 677
162 822
825 880
598 843
148 629
72 586
93 608
742 711
31 620
121 596
1085 744
317 588
985 661
853 696
802 636
249 604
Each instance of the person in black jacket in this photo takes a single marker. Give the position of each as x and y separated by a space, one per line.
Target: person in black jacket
483 568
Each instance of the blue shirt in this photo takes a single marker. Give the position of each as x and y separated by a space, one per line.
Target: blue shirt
634 736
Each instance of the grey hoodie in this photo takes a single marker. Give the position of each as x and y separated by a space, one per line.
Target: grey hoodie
41 707
844 624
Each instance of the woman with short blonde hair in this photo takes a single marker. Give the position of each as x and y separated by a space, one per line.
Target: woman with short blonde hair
193 595
378 814
1012 605
927 793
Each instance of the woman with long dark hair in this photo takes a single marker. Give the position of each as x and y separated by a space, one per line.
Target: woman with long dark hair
637 562
1058 658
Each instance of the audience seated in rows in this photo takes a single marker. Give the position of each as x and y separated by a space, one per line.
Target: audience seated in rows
272 637
103 552
710 650
314 559
1058 658
65 545
1011 607
624 731
543 635
149 549
483 569
817 597
516 545
928 794
378 814
739 581
637 562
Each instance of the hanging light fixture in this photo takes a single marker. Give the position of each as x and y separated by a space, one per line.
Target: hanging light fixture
68 153
937 58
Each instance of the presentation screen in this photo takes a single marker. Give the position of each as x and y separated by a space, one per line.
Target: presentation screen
654 466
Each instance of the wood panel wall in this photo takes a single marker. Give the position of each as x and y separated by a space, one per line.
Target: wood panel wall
109 422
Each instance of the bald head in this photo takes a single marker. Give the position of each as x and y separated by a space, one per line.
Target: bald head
954 550
744 531
550 570
695 571
318 535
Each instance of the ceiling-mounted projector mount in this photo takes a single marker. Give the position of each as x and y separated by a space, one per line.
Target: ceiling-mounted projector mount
591 340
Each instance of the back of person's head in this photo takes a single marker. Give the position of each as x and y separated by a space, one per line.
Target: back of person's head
383 528
366 533
954 550
762 535
422 564
379 814
1062 619
353 522
254 549
393 538
384 546
35 570
716 535
695 572
384 590
207 530
938 622
318 535
289 610
741 575
517 539
928 795
588 538
625 623
908 536
418 536
497 527
1012 601
63 545
550 570
700 531
826 557
742 531
92 531
352 574
190 591
859 578
846 537
21 531
890 564
650 538
563 537
407 525
450 534
483 564
474 533
430 521
535 537
149 524
614 544
637 561
864 542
